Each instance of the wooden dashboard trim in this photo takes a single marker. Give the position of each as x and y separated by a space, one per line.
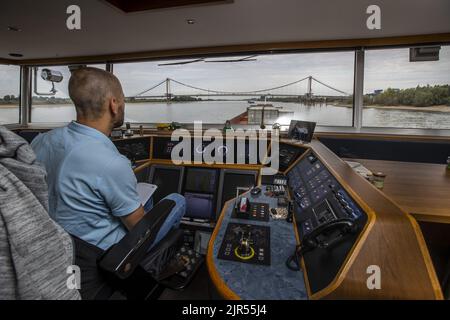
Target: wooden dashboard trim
142 166
430 218
216 279
422 245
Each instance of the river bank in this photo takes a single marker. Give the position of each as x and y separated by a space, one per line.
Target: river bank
213 112
439 108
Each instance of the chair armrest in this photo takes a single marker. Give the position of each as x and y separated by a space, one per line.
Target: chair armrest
123 257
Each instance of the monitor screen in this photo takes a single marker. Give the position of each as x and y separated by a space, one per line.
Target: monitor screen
301 130
234 180
199 205
167 180
201 180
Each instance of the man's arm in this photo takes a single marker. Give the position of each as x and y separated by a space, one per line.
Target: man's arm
118 186
130 220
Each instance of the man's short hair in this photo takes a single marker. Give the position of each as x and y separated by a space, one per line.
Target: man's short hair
90 88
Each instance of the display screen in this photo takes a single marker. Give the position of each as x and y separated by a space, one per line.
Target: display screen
167 180
199 205
233 180
301 130
201 180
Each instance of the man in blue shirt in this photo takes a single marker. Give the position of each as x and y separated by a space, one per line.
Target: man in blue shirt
92 187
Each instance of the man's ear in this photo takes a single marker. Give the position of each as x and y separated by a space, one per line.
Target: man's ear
114 106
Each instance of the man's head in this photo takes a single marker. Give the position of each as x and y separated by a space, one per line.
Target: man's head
98 97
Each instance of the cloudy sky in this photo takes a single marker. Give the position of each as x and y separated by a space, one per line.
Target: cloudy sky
383 69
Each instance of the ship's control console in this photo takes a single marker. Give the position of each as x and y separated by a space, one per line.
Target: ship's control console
251 243
254 238
327 219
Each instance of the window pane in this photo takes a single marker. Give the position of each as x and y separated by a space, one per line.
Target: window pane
404 94
214 90
9 94
57 107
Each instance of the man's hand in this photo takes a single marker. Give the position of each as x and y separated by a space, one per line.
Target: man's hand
130 220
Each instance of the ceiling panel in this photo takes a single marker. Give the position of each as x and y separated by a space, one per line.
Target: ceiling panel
108 30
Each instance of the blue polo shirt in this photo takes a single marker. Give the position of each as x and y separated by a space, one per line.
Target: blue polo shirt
91 185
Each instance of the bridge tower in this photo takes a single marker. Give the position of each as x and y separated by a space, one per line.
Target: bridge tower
309 93
168 94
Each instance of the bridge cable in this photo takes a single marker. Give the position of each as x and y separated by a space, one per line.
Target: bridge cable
324 84
237 92
150 88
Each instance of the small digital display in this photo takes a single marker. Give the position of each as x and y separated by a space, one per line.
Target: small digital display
168 148
201 180
199 205
162 147
301 130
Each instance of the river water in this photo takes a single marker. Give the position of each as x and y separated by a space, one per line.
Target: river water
220 111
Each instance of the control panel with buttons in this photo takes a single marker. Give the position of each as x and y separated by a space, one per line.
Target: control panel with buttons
257 211
247 243
318 197
328 220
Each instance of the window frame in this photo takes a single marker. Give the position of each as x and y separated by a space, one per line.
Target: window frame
29 70
20 105
358 94
190 126
397 130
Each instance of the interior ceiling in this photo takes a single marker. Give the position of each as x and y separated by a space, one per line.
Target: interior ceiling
142 5
108 30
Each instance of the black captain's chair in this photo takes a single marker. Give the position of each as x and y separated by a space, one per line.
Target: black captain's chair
129 270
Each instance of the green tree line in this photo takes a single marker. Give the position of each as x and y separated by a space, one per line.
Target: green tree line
9 99
419 97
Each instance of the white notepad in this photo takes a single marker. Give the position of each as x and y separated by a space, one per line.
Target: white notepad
145 191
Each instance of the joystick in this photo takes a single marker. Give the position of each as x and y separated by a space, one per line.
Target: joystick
244 250
255 191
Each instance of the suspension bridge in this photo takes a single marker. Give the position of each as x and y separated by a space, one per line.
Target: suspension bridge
170 88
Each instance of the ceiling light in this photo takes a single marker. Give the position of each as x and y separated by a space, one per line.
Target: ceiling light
16 55
14 29
190 21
